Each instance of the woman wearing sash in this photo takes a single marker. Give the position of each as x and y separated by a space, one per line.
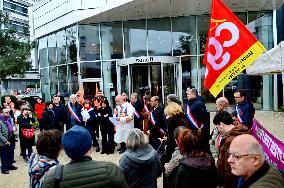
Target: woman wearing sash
73 114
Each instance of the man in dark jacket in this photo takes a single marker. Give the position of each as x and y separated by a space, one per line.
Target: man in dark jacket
244 109
157 124
198 117
48 118
82 171
58 109
247 161
73 114
224 122
138 109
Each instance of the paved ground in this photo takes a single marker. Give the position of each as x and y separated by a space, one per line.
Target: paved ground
273 121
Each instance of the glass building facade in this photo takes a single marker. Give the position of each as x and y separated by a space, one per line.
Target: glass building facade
164 54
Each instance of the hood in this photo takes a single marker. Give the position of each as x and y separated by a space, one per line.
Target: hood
237 130
39 165
141 158
204 163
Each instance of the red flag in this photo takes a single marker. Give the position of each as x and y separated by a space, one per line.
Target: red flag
230 48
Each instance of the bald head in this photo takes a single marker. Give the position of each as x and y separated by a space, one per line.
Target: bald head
119 99
246 156
221 104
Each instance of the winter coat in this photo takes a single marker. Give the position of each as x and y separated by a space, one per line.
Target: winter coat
39 109
25 123
174 162
87 173
3 134
59 112
266 176
138 106
104 122
213 142
246 112
225 176
48 120
141 167
174 122
195 172
68 116
38 166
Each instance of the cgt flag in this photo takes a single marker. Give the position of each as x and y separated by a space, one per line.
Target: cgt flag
230 48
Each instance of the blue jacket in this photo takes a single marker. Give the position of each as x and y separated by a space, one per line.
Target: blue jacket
246 112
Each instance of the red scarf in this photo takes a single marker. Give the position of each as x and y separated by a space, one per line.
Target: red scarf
87 108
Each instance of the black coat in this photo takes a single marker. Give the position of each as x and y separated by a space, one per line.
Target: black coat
138 106
59 115
25 123
160 123
195 172
104 122
174 122
67 113
48 120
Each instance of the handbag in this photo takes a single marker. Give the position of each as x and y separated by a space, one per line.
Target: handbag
28 133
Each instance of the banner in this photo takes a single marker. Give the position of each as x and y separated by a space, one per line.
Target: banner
230 48
272 147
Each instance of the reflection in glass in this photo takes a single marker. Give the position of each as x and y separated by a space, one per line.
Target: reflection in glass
71 34
184 35
53 80
63 86
52 49
202 32
112 42
135 38
156 79
91 69
124 80
61 47
42 48
73 78
45 86
89 42
140 77
110 80
159 37
169 79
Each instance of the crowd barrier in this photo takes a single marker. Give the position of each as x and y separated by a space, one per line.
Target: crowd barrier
273 148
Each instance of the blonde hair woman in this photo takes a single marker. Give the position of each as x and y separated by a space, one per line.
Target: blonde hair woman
176 119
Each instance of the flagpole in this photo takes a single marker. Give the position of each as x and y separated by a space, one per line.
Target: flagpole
223 92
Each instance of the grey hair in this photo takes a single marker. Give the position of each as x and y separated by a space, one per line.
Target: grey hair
134 95
173 98
194 91
136 139
256 148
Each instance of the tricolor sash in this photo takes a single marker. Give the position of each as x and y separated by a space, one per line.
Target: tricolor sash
238 114
136 114
152 119
218 141
74 115
192 120
145 105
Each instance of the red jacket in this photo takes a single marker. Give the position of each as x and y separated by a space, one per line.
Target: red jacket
39 109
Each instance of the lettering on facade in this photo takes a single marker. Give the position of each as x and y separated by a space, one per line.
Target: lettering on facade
144 60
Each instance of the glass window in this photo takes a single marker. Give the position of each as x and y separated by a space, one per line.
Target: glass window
73 78
71 36
184 35
202 32
242 16
91 69
110 80
112 42
42 52
135 38
53 81
51 42
62 74
89 42
159 37
61 47
124 79
169 74
45 84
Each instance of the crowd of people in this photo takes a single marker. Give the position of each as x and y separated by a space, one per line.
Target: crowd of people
172 141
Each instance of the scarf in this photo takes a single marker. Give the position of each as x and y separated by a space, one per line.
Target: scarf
7 122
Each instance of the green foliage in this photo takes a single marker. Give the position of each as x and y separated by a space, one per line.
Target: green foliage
14 51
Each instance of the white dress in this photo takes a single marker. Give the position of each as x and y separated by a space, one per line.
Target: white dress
123 128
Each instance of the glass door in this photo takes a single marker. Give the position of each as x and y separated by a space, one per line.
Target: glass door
91 88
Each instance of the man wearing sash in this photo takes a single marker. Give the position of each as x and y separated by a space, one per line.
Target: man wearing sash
157 124
244 108
124 113
198 117
137 113
73 114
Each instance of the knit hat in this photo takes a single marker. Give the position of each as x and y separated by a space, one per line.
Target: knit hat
76 142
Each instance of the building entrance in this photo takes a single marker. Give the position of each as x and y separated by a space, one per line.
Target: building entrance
159 75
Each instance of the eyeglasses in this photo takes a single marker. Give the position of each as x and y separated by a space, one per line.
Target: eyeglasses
238 157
